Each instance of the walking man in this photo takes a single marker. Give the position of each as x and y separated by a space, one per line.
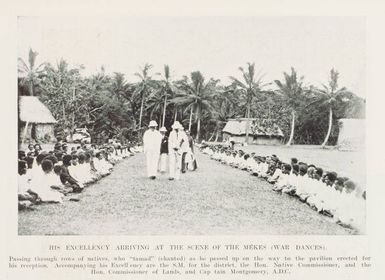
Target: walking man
151 146
176 139
163 150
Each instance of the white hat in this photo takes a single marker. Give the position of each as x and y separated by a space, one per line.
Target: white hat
153 124
176 125
163 129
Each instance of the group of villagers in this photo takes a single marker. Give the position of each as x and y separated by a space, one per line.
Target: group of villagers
49 175
324 191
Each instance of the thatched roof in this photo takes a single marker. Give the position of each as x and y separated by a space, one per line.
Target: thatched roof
256 127
32 110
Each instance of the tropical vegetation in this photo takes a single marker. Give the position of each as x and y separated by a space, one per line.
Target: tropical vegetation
109 105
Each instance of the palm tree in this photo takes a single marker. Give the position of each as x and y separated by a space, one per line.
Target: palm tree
63 92
196 96
155 104
330 95
166 90
291 90
118 84
143 87
250 89
29 72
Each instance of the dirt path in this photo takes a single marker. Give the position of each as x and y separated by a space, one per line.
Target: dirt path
214 200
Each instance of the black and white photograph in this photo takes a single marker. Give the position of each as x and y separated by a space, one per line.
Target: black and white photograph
187 126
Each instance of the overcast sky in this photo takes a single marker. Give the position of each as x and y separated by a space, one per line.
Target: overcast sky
216 46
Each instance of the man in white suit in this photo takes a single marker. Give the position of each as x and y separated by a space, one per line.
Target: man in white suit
176 141
151 146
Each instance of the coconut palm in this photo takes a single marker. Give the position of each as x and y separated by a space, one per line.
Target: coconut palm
118 84
225 106
63 92
330 95
155 105
166 90
249 90
196 95
29 73
291 90
143 88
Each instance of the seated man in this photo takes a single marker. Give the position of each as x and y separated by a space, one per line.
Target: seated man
300 190
42 185
292 184
66 178
264 167
277 172
283 180
24 186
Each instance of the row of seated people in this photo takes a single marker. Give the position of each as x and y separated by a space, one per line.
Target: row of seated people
326 192
47 176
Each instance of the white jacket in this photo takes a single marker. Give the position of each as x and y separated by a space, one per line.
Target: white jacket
152 141
177 140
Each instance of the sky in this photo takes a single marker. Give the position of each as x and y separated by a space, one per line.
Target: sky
216 46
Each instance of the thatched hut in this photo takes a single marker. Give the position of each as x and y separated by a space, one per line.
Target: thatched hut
261 132
35 120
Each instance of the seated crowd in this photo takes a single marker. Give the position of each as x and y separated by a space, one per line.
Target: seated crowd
47 176
325 192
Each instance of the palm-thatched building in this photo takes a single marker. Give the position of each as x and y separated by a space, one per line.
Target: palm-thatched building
261 132
36 121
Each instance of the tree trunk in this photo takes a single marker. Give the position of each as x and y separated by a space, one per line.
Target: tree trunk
24 133
164 110
73 124
31 87
189 124
198 128
329 129
211 137
175 114
73 112
216 136
141 112
292 129
247 123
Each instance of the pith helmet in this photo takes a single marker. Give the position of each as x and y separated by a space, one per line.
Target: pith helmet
177 125
153 124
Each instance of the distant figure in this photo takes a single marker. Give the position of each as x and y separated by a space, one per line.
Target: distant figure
151 145
190 160
184 150
232 142
163 150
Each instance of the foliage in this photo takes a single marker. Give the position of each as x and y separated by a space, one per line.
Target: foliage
109 105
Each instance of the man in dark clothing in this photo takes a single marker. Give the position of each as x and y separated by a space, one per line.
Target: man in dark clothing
65 176
163 150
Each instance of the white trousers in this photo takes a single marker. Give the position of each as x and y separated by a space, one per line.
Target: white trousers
175 163
163 162
152 159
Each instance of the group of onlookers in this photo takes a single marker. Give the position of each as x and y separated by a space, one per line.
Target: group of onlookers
324 191
49 175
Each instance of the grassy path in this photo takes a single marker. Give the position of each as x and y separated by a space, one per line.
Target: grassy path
214 200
